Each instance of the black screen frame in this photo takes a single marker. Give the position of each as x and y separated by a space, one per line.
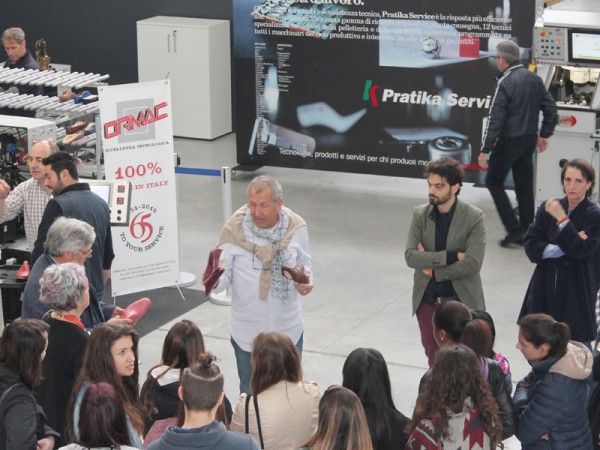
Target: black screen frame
571 32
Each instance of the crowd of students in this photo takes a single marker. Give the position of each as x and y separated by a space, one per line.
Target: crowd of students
53 397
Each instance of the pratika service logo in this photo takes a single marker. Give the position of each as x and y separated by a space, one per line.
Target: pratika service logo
370 93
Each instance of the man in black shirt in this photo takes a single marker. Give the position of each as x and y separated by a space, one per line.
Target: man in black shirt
445 246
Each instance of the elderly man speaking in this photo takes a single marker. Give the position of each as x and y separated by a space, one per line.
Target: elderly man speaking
257 241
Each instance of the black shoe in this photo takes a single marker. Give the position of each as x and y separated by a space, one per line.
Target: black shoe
513 237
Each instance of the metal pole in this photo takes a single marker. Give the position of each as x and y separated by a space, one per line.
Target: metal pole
226 192
224 298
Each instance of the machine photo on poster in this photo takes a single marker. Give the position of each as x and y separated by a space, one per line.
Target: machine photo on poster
386 88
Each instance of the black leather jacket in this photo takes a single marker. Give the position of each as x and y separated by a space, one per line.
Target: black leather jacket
519 97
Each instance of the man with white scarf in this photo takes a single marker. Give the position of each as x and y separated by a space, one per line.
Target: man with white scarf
256 242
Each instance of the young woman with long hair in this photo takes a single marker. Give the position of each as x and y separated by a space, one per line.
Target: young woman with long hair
456 409
366 374
102 420
342 422
283 409
551 400
182 348
111 357
22 348
453 324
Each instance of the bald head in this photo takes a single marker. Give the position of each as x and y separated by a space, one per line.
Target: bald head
38 151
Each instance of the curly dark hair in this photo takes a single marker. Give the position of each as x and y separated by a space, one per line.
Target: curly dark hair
447 168
455 376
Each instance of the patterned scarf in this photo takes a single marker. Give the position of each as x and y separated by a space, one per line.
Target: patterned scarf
280 286
272 255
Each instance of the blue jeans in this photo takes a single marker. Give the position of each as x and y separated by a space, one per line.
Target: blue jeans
244 363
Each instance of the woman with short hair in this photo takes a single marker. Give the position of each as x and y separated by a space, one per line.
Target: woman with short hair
64 289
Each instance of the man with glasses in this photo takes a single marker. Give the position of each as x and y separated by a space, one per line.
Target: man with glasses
260 239
75 199
29 197
68 240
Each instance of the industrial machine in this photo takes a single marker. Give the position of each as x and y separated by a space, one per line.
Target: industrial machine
566 49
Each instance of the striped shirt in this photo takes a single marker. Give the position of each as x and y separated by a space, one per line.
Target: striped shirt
30 198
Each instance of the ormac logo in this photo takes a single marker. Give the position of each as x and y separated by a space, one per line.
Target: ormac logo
370 93
135 121
566 121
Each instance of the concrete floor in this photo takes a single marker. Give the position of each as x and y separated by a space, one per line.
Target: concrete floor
362 296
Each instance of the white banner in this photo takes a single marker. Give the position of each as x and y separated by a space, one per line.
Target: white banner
137 137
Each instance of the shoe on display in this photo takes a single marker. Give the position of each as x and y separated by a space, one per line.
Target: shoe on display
23 271
213 272
295 273
513 237
89 129
77 126
79 98
67 96
70 138
137 309
84 155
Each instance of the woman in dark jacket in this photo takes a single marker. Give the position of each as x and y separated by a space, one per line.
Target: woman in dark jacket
594 405
551 399
366 374
64 290
453 324
182 348
22 421
564 242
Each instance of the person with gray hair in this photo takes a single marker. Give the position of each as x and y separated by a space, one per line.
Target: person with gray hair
64 289
266 259
29 197
13 40
512 136
68 240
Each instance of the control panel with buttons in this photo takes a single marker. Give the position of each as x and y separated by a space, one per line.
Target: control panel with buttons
550 44
117 193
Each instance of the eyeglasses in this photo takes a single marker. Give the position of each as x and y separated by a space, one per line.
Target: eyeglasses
87 253
254 263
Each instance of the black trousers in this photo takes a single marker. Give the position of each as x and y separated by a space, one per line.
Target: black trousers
513 153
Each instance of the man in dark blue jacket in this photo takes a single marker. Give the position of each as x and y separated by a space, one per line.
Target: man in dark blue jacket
511 137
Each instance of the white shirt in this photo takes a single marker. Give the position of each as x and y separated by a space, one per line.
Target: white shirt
249 314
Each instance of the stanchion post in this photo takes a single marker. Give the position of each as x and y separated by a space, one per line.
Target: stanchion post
224 298
226 192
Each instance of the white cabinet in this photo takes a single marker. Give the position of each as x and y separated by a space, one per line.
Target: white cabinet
195 55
